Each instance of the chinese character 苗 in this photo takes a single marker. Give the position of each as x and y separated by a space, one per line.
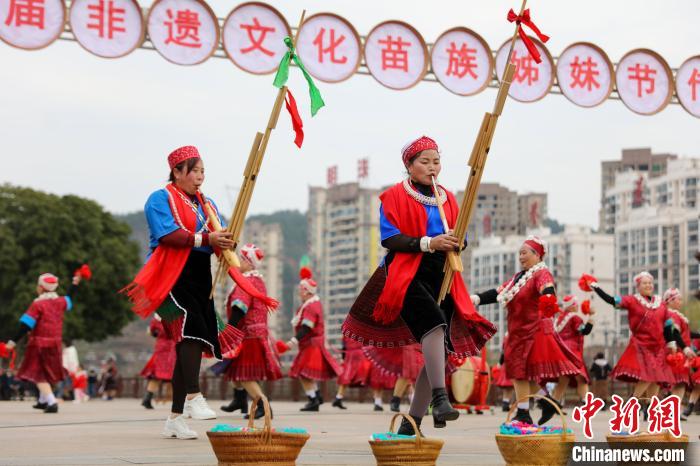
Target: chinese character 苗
665 415
587 412
393 55
641 75
461 61
583 73
186 24
318 41
107 18
526 69
26 13
625 415
257 43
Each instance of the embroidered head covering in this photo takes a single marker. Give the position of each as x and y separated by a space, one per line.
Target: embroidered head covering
307 282
416 146
48 281
569 301
181 154
671 294
638 278
536 244
252 254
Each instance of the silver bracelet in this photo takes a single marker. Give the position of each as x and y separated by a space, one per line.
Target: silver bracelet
425 244
197 240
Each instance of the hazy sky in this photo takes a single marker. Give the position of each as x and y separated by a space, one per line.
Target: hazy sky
71 122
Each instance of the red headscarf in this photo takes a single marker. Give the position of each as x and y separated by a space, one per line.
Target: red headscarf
416 146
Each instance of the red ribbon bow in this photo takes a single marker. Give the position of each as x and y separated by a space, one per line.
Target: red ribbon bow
525 19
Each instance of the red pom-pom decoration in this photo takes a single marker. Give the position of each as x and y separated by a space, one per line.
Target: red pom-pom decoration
547 305
281 347
675 360
585 281
83 272
305 273
586 307
4 352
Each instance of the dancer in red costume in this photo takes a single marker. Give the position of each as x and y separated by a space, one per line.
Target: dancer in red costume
399 304
644 360
402 364
43 321
358 371
534 352
257 360
313 363
571 328
159 368
501 380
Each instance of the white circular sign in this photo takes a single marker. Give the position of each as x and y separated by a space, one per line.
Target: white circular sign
33 24
329 47
644 81
254 37
585 74
688 85
185 32
396 55
107 28
462 61
532 81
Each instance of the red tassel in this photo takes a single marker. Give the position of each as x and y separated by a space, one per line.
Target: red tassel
297 123
527 21
248 287
586 307
547 305
83 272
281 347
585 282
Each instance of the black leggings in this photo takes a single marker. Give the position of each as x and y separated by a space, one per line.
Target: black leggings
186 373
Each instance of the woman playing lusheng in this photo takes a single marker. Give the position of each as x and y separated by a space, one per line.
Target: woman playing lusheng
534 352
176 282
399 304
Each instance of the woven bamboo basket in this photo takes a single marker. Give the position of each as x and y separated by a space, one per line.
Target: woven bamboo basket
422 451
536 449
260 447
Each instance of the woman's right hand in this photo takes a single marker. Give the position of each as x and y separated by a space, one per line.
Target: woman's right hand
445 242
221 239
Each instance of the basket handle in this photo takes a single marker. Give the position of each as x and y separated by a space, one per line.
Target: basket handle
419 436
556 407
267 429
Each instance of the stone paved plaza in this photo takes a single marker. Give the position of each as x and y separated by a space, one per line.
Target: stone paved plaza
122 432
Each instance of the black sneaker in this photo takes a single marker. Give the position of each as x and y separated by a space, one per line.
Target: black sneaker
51 408
523 415
320 398
442 409
395 404
407 429
505 406
548 411
338 403
312 404
40 405
378 407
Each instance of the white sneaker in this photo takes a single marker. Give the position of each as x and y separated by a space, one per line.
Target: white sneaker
177 428
197 408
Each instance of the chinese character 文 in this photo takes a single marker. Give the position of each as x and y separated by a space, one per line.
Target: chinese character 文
665 414
693 81
625 415
393 55
642 75
526 69
26 13
257 43
107 18
461 61
587 412
186 24
318 41
583 74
